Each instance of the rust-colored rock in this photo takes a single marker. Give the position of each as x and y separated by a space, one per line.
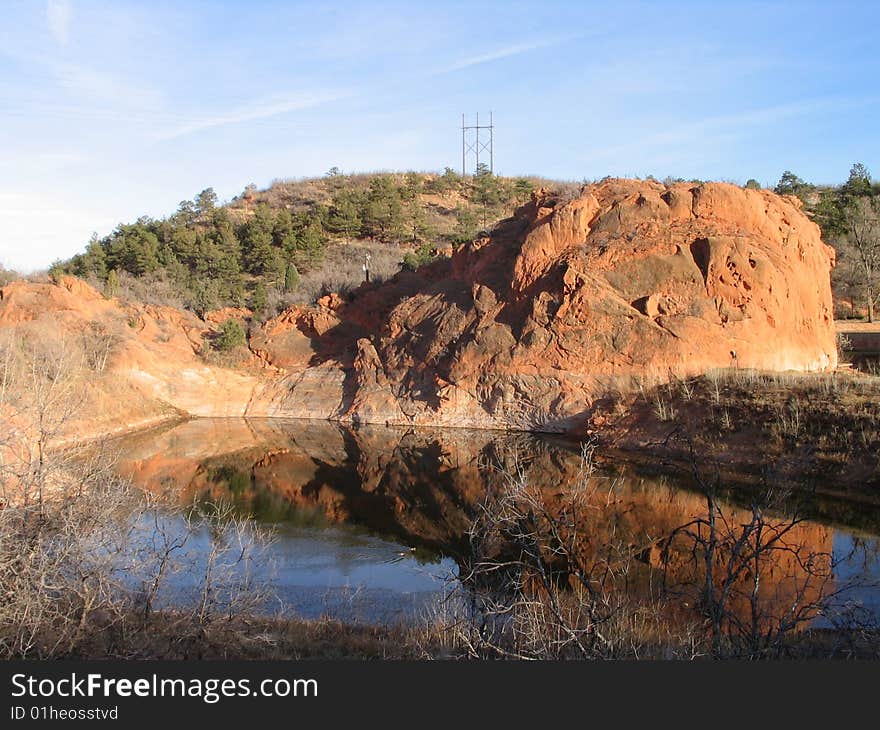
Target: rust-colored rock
219 316
521 329
133 365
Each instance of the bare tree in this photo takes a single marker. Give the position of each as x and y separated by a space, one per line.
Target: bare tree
861 243
541 585
572 573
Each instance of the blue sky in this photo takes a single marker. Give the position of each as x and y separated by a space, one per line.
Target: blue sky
112 110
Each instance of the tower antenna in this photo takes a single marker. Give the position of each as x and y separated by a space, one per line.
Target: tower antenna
472 145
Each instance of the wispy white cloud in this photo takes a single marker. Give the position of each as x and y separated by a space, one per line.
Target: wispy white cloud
498 54
58 17
255 111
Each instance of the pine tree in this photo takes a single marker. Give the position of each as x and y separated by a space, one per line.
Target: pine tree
111 288
205 203
260 255
291 278
345 215
310 245
259 300
230 335
522 189
382 214
94 261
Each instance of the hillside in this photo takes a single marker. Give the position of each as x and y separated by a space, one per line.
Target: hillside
297 240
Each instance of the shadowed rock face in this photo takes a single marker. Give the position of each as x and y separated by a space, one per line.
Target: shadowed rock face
522 329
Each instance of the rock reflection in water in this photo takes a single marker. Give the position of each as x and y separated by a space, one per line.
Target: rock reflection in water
417 490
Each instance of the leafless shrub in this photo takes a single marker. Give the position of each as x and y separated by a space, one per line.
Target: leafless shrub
155 289
540 588
547 579
762 582
664 409
342 271
7 276
789 419
79 549
56 569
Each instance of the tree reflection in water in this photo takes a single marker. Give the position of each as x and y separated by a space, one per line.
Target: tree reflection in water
559 553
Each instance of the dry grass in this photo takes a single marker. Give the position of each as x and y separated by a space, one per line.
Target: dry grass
817 433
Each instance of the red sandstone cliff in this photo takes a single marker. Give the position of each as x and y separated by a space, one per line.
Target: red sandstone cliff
521 329
524 328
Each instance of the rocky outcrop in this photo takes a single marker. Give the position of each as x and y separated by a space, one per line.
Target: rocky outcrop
526 327
121 366
521 329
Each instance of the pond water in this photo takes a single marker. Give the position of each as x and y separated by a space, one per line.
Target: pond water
371 523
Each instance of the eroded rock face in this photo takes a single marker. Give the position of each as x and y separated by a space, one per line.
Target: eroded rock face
522 329
525 328
125 365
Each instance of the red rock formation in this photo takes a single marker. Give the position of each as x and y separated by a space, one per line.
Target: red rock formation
524 328
521 329
133 365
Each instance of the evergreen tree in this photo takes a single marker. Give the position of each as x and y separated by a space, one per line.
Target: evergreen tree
417 220
833 210
205 295
205 203
186 214
448 182
522 189
382 214
134 248
412 186
858 184
466 227
291 278
284 229
94 261
176 271
56 270
258 249
487 192
791 184
345 215
230 335
183 242
259 300
223 235
111 288
310 244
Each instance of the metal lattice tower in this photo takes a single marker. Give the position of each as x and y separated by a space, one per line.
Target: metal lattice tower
471 144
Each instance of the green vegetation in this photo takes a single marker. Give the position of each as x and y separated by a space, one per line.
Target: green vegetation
298 240
285 244
230 335
412 260
849 216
